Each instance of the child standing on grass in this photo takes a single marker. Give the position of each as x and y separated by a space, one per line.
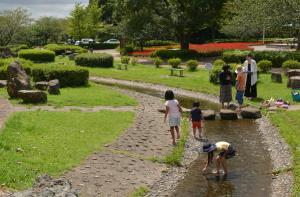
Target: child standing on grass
197 119
174 111
240 86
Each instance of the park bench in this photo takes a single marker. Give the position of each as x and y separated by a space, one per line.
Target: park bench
177 69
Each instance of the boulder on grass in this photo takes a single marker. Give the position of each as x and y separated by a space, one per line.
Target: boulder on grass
54 86
17 79
227 114
295 82
250 113
3 83
32 96
276 77
209 114
41 85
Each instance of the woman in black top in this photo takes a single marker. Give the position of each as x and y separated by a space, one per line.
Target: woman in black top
225 85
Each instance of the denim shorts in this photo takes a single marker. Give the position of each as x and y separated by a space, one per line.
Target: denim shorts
240 96
174 121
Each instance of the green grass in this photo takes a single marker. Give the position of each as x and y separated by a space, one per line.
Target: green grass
288 123
174 158
140 192
196 81
53 142
93 95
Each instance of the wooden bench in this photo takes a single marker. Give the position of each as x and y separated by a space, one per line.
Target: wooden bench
177 69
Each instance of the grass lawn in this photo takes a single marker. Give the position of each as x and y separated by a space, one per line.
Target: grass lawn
288 123
53 142
93 95
195 81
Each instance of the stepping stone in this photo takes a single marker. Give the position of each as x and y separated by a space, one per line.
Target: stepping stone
250 113
208 115
276 77
32 96
295 82
228 114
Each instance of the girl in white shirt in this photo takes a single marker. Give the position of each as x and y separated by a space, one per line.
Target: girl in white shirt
174 111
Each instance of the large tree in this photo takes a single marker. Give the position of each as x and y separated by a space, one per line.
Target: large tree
12 22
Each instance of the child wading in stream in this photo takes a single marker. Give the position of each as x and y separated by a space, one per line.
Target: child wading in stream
224 151
197 119
174 111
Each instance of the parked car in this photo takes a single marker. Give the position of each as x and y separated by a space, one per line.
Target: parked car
87 41
77 43
112 41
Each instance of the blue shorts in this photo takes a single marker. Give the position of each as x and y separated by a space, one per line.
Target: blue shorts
174 121
240 96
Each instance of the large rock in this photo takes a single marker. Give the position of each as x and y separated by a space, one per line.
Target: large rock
41 85
32 96
17 79
276 77
250 113
209 114
54 87
227 114
45 186
295 82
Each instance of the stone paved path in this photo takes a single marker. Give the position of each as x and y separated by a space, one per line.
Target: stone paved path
124 165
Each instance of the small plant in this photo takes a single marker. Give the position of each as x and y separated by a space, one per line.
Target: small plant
264 66
192 65
158 62
125 60
291 64
174 62
133 61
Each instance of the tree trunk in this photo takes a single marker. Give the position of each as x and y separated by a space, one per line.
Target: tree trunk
184 41
298 41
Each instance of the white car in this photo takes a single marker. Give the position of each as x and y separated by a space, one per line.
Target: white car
87 41
112 41
77 43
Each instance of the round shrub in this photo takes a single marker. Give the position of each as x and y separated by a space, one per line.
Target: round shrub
291 64
133 61
192 65
218 63
60 49
127 49
68 76
103 60
125 60
264 66
37 55
157 62
174 62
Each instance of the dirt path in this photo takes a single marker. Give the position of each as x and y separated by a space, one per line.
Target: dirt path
124 165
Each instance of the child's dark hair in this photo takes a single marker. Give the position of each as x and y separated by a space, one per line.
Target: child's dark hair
169 95
196 104
210 157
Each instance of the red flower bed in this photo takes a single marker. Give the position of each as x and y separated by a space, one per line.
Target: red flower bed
205 48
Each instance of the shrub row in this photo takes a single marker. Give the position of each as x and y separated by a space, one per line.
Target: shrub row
152 43
185 54
99 46
68 76
94 60
37 55
276 57
60 49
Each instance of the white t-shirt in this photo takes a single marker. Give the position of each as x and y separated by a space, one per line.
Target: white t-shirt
173 108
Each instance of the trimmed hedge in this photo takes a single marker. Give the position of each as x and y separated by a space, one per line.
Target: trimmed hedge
37 55
276 57
99 46
26 64
94 60
125 60
175 62
264 66
68 76
182 54
151 43
291 64
60 49
192 65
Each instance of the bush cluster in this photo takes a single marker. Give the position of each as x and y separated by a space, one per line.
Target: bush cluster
291 64
37 55
182 54
26 64
276 57
157 62
192 65
125 60
152 43
61 49
127 49
99 46
175 62
68 76
264 66
94 60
